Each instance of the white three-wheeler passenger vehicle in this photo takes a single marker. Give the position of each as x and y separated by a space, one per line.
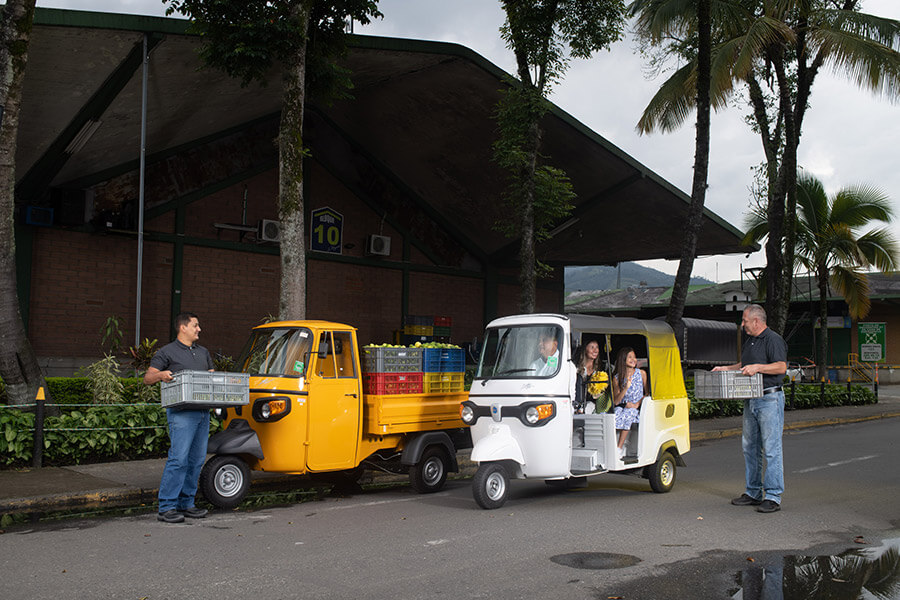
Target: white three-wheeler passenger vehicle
521 405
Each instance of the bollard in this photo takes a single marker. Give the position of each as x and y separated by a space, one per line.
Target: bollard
822 393
38 456
849 394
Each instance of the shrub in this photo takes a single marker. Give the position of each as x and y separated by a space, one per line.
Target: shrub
103 380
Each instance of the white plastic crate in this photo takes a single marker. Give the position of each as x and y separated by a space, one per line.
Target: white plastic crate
205 389
725 385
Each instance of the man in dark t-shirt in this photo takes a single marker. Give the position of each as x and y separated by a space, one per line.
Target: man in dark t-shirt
188 428
764 352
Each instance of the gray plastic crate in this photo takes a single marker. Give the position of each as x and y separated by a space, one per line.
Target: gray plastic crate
392 360
726 385
205 389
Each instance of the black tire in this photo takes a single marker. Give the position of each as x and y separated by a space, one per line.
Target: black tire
662 474
490 486
430 473
224 480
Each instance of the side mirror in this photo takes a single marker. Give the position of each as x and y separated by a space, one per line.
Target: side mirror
323 350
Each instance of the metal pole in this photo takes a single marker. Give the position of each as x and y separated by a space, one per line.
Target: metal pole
37 457
140 250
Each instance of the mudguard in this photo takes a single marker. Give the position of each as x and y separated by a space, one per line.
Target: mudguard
238 438
499 445
412 452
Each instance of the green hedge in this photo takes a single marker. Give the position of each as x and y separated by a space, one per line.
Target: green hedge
129 430
806 395
74 390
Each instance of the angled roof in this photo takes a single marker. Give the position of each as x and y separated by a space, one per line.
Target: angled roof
422 111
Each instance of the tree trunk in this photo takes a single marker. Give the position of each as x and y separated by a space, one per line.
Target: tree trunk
292 300
18 364
528 272
822 351
694 219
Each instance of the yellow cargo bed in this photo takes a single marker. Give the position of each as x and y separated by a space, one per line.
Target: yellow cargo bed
402 413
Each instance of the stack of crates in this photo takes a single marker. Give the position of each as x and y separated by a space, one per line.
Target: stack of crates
442 329
417 328
392 370
444 370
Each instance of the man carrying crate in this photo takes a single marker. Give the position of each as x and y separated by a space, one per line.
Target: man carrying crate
188 428
764 352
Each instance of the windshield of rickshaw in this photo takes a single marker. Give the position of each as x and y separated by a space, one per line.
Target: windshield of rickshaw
521 352
282 352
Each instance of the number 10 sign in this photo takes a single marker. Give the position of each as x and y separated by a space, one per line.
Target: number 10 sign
326 228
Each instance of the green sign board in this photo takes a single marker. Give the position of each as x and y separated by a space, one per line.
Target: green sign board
872 344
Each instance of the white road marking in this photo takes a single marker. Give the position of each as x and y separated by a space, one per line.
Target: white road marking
837 464
378 502
436 542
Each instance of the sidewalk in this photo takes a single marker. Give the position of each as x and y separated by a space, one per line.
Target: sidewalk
131 483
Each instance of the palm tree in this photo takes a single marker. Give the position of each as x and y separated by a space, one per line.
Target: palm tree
787 42
829 244
656 19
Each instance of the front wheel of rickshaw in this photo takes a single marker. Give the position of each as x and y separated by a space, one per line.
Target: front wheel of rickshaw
224 480
662 474
490 485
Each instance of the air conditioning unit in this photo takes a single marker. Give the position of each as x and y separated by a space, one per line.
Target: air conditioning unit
378 245
268 231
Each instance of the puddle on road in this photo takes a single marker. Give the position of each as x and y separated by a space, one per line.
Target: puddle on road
595 560
859 573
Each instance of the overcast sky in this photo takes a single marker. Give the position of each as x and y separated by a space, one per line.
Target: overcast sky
849 136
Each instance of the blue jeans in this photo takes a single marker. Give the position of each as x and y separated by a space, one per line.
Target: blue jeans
763 460
188 436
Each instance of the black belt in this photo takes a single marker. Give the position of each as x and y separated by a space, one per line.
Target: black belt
769 390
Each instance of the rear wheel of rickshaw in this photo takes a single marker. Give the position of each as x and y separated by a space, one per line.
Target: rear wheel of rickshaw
429 474
490 485
224 480
662 474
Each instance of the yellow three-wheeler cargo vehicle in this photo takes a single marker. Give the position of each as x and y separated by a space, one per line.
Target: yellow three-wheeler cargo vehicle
308 414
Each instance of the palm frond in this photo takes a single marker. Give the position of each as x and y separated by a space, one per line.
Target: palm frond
859 205
868 63
853 285
880 249
672 103
763 33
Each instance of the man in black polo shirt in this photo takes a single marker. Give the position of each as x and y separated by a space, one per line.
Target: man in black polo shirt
188 428
764 352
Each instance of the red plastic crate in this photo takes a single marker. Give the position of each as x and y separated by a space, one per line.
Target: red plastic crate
381 384
443 322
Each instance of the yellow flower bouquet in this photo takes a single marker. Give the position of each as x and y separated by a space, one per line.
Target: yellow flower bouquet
598 388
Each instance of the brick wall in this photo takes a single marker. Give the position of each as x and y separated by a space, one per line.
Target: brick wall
78 280
460 298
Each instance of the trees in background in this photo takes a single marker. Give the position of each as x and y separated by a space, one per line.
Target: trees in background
542 35
831 244
301 38
18 365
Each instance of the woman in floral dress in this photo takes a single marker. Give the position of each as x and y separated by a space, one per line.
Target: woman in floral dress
629 388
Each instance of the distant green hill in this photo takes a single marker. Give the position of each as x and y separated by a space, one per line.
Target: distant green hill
605 278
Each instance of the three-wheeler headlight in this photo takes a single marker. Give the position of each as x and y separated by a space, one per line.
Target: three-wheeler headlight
467 414
273 408
535 414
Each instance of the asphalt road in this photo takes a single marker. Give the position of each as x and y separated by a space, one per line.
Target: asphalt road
842 482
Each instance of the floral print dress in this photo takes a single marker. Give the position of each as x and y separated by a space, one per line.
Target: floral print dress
626 416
